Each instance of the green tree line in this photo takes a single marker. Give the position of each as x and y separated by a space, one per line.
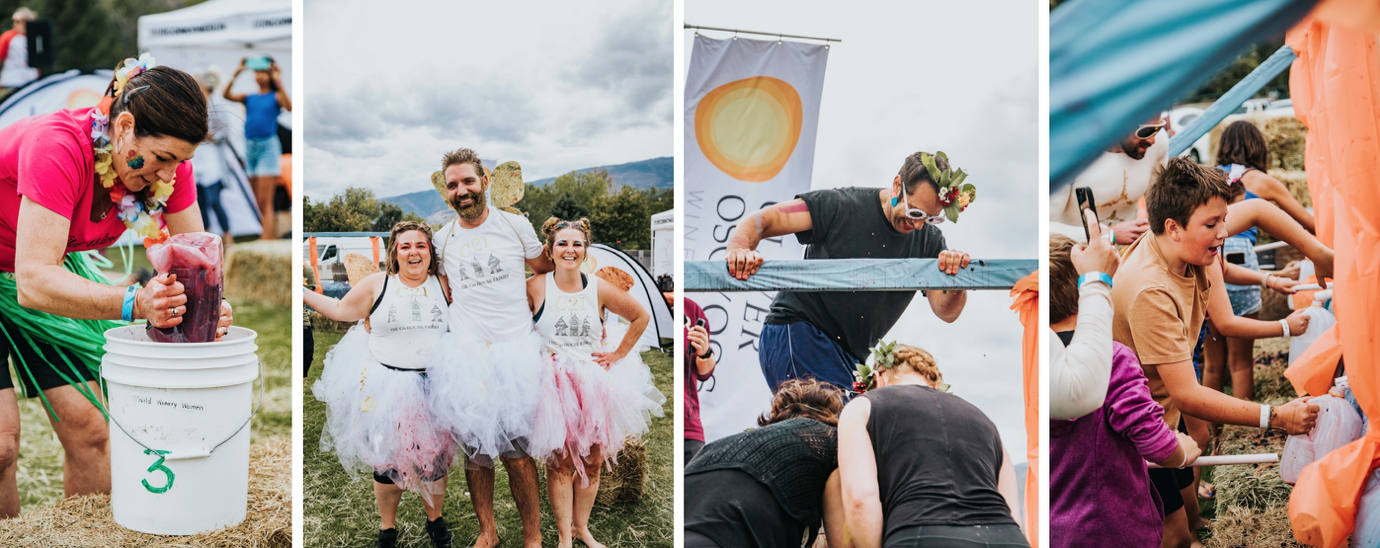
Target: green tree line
619 216
355 210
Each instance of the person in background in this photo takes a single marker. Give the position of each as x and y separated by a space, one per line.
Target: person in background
1243 153
208 165
308 340
699 367
1100 488
263 151
14 54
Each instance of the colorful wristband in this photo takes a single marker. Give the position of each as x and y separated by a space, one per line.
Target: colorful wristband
127 309
1095 277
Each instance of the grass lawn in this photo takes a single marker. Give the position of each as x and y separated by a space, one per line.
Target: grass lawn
40 454
339 512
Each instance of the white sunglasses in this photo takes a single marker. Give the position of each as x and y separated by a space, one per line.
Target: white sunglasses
919 214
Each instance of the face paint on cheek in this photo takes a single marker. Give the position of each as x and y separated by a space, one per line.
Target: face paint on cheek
134 161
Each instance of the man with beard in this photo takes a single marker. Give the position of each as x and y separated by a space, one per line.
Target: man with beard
823 335
1118 179
486 374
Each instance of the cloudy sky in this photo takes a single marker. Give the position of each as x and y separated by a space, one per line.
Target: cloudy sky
960 77
554 85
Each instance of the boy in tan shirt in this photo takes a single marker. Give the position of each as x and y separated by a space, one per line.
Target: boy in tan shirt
1159 297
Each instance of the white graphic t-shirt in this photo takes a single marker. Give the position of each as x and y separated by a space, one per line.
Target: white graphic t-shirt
1117 182
487 281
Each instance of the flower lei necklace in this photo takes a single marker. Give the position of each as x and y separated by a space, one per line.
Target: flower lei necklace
142 218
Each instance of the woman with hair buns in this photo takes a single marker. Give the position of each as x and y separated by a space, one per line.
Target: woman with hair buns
374 382
598 393
922 468
73 181
774 485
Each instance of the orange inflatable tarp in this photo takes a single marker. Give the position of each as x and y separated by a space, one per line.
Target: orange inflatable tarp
1335 85
1026 302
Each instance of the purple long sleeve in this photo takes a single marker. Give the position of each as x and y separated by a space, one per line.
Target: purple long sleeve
1131 411
1099 489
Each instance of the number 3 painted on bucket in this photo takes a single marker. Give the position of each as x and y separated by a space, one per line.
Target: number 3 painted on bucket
158 467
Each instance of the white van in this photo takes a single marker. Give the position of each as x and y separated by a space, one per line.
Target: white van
331 251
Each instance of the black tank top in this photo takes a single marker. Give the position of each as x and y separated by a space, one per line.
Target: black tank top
937 459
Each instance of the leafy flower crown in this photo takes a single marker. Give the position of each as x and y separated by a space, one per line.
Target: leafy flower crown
954 195
883 358
143 217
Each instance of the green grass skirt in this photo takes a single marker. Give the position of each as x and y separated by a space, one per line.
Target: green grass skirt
84 338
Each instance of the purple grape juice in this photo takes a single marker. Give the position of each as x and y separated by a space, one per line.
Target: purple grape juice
195 258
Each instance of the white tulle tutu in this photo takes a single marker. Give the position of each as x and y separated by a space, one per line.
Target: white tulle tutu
485 394
377 419
583 405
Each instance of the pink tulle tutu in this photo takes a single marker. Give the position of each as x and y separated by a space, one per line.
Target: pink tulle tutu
582 405
378 420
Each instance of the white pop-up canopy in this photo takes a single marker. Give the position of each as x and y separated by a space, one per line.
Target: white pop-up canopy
663 242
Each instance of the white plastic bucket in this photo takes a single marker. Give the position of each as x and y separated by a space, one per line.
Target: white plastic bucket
191 404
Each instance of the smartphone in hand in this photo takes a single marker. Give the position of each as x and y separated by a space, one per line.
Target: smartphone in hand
1085 201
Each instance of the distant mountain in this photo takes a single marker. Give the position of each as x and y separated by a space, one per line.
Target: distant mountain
653 173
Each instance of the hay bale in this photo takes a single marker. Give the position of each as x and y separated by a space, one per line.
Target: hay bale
358 267
1297 183
322 323
1255 487
88 521
260 271
628 478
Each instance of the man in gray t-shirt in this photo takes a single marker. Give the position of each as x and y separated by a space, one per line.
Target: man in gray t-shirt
825 334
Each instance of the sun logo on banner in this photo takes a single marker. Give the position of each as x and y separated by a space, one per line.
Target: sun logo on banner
749 128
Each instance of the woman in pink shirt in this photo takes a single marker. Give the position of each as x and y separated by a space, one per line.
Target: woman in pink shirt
73 181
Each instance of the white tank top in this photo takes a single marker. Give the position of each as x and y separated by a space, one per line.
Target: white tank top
407 322
570 321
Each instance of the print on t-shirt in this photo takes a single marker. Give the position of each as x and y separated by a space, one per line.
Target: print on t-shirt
416 297
574 326
471 253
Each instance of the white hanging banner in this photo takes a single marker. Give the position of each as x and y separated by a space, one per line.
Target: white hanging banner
751 112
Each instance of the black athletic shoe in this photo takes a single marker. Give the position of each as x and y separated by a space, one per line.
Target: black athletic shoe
388 538
440 535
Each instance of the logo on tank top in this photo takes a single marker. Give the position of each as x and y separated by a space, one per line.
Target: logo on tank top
436 313
576 327
416 310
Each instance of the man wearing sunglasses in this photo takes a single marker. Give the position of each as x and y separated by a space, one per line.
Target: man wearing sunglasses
822 335
1118 179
